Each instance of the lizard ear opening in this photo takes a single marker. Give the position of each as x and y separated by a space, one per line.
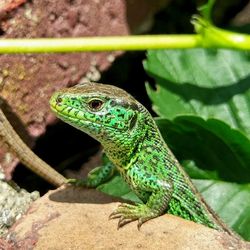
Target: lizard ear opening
133 121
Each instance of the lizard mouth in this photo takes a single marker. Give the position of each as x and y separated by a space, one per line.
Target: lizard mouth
71 115
61 113
64 112
74 116
79 123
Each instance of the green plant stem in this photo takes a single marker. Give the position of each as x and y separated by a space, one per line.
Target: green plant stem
139 42
208 36
213 37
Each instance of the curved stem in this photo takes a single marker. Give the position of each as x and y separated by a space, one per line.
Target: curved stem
213 37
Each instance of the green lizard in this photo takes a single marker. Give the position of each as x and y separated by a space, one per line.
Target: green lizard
133 143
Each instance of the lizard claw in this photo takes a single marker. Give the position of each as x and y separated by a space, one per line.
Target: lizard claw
123 221
77 182
141 221
114 215
128 213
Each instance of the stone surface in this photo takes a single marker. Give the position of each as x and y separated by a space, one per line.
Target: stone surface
14 201
77 218
243 17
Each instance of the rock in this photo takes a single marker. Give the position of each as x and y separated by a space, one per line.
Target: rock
77 218
14 201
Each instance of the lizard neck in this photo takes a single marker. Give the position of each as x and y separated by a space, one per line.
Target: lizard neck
126 150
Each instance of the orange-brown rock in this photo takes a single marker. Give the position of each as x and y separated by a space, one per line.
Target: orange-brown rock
77 218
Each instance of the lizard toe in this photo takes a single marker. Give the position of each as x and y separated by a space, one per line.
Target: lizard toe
77 182
128 213
123 221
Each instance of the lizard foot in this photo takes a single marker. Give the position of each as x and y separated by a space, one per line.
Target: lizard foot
128 213
77 182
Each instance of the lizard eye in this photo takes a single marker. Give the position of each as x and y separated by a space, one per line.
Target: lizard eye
95 104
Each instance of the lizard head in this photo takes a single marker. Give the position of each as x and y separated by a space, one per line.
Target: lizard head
105 112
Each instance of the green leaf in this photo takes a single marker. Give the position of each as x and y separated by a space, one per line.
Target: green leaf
230 201
198 173
212 150
219 151
205 82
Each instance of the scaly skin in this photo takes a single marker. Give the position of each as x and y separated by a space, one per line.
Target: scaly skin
15 145
133 143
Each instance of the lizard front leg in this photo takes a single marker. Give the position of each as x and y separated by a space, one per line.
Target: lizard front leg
96 176
155 193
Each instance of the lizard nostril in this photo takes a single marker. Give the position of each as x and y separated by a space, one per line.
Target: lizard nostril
58 100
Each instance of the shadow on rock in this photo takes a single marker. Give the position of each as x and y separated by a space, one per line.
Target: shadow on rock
81 195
